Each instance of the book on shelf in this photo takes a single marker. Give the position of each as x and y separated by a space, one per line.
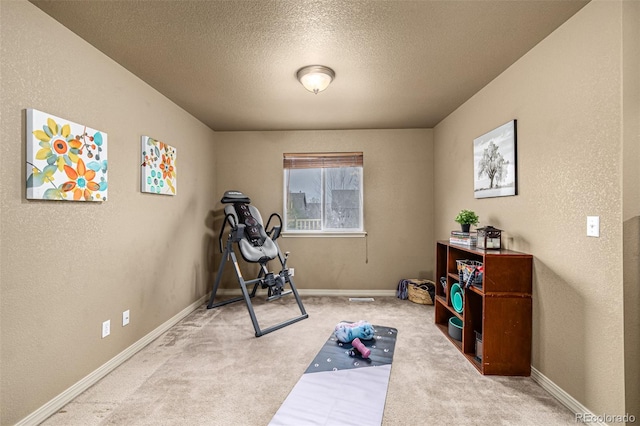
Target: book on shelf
464 241
464 234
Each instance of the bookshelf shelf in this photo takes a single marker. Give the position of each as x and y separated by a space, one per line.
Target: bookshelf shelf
500 310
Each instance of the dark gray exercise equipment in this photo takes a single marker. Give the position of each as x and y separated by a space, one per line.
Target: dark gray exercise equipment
256 245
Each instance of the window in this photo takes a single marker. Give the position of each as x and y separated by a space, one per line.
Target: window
323 192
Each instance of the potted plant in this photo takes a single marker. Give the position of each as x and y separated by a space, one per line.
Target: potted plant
466 218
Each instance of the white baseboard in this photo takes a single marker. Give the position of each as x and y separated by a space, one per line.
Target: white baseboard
321 292
347 293
564 398
51 407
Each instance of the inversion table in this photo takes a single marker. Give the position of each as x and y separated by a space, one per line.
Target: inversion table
256 245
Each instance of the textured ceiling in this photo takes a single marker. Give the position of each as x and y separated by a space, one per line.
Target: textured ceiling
232 64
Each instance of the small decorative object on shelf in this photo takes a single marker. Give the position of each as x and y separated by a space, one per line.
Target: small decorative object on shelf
489 238
466 218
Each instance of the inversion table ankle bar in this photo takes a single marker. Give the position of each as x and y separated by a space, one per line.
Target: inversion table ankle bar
256 245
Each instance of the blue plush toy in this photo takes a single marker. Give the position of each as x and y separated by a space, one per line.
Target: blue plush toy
347 331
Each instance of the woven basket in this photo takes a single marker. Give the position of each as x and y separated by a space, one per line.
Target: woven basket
417 292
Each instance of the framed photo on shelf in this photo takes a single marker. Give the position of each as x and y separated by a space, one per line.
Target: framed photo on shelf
494 162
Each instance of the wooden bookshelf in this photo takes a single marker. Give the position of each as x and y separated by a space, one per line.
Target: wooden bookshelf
499 308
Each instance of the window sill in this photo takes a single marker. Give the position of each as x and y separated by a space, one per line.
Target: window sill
297 234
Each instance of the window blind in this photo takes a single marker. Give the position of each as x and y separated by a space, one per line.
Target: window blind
319 160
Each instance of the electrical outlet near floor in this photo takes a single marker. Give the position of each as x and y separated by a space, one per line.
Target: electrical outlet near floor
291 272
106 328
125 318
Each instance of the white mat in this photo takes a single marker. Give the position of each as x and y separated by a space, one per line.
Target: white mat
340 398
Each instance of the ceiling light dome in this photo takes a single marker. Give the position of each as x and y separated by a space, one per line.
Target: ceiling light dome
315 78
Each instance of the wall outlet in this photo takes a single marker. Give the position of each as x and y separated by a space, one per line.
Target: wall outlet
125 318
106 328
291 272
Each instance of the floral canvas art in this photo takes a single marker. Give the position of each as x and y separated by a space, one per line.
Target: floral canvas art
158 174
65 160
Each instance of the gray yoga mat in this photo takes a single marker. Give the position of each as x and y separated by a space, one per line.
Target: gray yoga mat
339 389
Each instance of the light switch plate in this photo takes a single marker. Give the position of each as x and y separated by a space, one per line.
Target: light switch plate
593 226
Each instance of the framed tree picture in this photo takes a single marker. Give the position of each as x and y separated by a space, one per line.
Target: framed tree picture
494 162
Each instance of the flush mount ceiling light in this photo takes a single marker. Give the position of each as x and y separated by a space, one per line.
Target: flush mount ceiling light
315 78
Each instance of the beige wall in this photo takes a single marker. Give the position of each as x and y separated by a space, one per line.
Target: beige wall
566 95
66 267
398 189
631 201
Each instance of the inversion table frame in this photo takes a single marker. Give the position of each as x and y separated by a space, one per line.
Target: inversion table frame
264 279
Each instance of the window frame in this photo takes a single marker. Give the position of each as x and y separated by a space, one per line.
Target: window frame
323 160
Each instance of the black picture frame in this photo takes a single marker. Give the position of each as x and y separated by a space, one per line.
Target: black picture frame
495 172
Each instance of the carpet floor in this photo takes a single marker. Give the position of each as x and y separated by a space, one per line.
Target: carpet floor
209 369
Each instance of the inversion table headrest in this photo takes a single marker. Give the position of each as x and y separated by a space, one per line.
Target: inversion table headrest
231 197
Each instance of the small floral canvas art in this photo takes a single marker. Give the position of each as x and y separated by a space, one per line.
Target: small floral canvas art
65 160
158 174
